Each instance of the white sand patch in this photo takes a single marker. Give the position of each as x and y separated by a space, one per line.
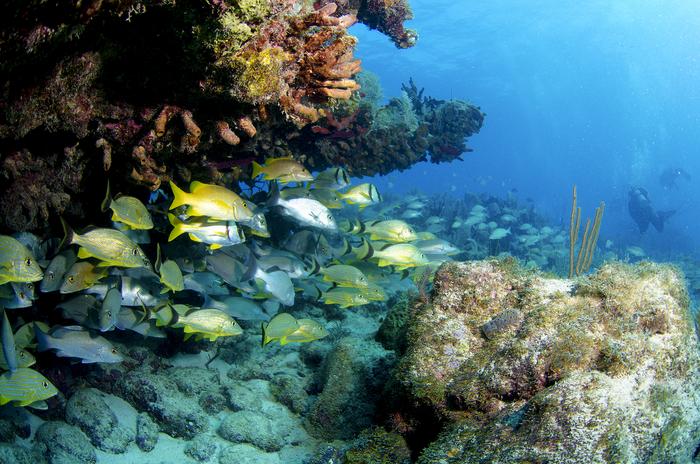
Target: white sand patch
126 414
167 450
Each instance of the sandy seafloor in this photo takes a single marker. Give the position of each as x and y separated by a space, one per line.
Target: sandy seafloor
360 323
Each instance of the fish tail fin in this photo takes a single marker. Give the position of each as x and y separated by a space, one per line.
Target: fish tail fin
178 227
108 199
257 170
265 339
42 339
274 197
158 260
315 266
358 227
179 196
364 251
346 248
251 266
68 234
8 343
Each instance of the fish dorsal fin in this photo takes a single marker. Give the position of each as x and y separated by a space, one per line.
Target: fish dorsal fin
76 328
196 185
107 200
158 258
281 158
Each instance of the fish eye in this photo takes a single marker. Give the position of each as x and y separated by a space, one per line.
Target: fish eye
21 354
51 275
22 295
45 384
114 351
71 279
28 261
109 313
135 251
30 286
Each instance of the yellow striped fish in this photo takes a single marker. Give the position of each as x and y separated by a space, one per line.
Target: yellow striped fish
24 387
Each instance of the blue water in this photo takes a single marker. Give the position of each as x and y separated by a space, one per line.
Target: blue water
600 94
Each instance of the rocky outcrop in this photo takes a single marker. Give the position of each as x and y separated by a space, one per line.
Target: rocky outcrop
518 367
88 410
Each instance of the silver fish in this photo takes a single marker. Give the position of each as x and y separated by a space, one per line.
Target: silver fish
22 296
136 321
206 283
54 273
238 307
293 266
138 292
302 242
276 284
80 308
306 211
231 270
109 311
77 342
257 223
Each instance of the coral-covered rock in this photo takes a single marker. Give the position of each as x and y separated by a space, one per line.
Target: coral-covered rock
520 367
146 432
351 380
247 454
17 454
289 390
14 423
377 446
258 419
201 449
194 381
88 410
392 331
177 415
61 443
268 432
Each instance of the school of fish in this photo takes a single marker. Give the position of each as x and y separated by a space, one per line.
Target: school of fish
221 264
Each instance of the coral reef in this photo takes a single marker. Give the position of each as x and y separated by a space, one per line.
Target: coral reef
378 446
351 378
142 92
518 367
177 413
61 443
88 410
146 432
368 139
392 332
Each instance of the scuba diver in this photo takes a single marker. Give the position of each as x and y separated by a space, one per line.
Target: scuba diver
640 209
669 177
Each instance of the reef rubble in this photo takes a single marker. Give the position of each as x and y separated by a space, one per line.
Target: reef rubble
513 366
